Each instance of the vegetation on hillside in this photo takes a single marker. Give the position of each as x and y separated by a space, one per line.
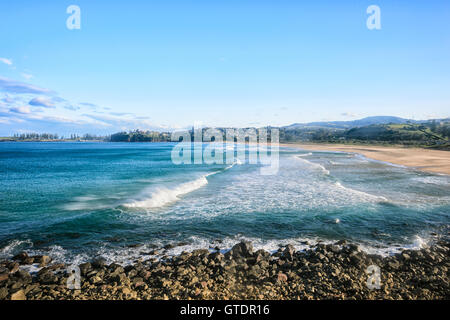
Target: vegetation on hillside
433 133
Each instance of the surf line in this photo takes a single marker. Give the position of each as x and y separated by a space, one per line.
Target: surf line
163 196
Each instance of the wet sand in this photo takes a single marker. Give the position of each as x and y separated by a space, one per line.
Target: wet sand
436 161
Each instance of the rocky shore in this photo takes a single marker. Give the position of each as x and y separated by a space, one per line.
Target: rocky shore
334 271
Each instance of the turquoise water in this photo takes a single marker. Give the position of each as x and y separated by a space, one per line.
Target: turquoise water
80 200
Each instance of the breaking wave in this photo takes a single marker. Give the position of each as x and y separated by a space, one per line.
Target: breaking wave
313 165
361 193
162 196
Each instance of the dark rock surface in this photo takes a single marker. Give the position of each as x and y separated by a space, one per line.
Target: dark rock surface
337 271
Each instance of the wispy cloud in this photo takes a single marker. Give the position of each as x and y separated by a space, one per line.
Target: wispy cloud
120 114
21 110
27 76
71 107
123 123
12 86
6 61
42 102
348 114
87 104
8 100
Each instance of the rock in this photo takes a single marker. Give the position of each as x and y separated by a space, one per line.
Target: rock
137 280
27 261
394 264
352 248
3 293
13 267
255 271
85 268
405 256
21 256
95 280
242 249
323 272
200 252
19 295
119 278
16 285
116 269
282 277
4 276
48 278
44 260
57 266
334 249
134 245
126 291
99 263
289 252
23 275
132 273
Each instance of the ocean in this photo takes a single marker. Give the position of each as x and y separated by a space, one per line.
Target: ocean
76 201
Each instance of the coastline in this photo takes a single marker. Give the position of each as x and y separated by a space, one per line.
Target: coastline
433 161
336 271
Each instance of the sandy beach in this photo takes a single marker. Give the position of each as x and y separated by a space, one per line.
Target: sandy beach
436 161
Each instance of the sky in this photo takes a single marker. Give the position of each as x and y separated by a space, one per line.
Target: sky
163 65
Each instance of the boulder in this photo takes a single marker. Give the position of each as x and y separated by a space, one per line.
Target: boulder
43 261
243 249
21 256
282 277
289 252
85 268
47 278
99 262
3 293
4 276
19 295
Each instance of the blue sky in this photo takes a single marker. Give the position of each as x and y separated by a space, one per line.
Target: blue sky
170 64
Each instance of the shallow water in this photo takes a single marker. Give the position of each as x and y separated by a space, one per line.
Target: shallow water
79 200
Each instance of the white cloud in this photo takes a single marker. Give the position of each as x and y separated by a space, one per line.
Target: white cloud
6 61
21 110
42 102
12 86
27 76
349 114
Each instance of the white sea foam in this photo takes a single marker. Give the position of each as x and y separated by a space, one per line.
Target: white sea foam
128 255
78 205
362 193
436 180
313 165
13 246
162 196
305 154
300 244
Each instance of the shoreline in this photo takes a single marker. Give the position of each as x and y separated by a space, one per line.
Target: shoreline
426 160
432 161
327 271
